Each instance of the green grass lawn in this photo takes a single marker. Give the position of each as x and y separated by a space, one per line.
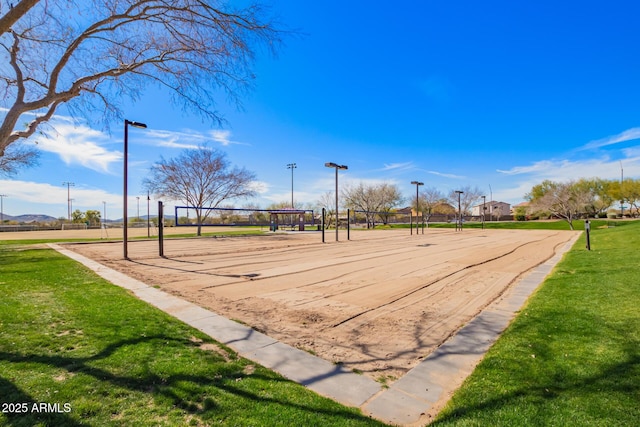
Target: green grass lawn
99 356
572 356
534 225
228 233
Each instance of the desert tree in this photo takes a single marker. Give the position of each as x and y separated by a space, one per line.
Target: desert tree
566 200
257 215
327 201
77 217
373 199
468 197
364 198
597 194
200 178
630 192
93 217
94 55
429 199
391 197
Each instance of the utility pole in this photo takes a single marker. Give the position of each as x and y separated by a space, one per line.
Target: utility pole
69 185
2 196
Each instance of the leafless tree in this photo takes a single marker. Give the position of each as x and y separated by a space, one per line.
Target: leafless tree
17 156
564 200
377 199
92 55
429 198
328 202
391 198
468 197
202 178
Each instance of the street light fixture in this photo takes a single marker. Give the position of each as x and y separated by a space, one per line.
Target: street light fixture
336 166
484 209
459 210
291 166
417 184
139 125
148 217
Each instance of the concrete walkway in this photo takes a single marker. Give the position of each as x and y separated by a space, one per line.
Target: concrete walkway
412 400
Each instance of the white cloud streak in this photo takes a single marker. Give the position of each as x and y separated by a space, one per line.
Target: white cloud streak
187 139
79 145
445 175
398 166
42 193
627 135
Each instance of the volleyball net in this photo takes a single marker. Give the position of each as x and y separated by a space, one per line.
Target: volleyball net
229 216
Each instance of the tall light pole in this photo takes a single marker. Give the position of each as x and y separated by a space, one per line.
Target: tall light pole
104 213
291 166
459 210
126 150
622 196
417 184
2 196
69 185
148 217
138 211
484 209
336 166
491 203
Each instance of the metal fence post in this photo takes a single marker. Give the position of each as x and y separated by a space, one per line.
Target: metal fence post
161 229
323 213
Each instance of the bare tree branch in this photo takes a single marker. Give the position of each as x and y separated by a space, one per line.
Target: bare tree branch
202 178
54 56
16 157
14 14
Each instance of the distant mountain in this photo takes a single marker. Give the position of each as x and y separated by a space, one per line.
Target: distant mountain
27 218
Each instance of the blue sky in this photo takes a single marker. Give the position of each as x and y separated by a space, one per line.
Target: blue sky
498 94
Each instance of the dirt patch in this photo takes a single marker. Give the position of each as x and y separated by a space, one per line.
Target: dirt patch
377 304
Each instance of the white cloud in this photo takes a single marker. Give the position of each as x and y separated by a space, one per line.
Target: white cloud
627 135
565 170
445 175
223 137
524 177
79 145
398 166
186 139
540 166
42 193
259 187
